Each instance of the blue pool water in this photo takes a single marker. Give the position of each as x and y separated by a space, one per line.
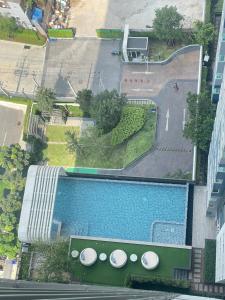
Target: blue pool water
123 210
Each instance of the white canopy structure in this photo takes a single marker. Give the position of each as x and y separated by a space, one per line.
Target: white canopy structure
118 258
88 257
38 203
150 260
75 253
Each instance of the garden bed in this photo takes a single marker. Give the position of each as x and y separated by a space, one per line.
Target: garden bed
61 33
103 273
26 36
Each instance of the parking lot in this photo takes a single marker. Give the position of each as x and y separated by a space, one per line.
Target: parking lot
71 66
87 16
11 117
20 68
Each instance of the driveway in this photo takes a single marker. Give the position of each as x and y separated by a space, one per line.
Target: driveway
20 68
171 152
82 63
11 117
87 16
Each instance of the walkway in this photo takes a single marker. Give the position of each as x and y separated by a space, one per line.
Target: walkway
203 227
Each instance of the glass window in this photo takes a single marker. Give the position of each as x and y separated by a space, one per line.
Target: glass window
219 75
221 58
216 90
223 36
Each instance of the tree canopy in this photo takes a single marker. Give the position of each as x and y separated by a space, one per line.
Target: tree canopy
84 98
106 109
167 24
45 99
13 163
8 25
203 33
201 119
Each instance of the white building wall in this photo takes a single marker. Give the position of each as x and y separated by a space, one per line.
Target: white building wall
216 155
15 10
220 256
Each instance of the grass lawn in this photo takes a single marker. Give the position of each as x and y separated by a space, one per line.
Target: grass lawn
159 50
55 133
104 155
26 36
104 273
74 111
58 155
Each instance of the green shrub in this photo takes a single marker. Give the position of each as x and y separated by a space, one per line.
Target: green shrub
74 111
61 33
145 281
210 261
149 34
219 7
132 120
208 11
204 78
109 33
24 266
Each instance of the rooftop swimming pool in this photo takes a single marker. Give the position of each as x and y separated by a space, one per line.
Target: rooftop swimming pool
138 211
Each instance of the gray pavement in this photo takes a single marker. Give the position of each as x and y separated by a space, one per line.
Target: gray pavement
87 16
11 125
81 63
171 151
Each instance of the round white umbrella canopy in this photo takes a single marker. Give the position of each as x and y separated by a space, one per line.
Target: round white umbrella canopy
150 260
133 257
118 258
102 256
88 256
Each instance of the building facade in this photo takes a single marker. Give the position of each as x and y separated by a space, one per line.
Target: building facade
216 183
220 60
14 9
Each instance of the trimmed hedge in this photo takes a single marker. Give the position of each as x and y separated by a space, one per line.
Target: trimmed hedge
204 78
208 11
61 33
210 261
138 281
219 7
109 33
147 33
132 120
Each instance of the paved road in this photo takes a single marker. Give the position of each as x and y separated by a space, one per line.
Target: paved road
171 152
11 125
81 63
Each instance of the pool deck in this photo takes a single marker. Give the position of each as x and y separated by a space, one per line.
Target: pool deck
203 227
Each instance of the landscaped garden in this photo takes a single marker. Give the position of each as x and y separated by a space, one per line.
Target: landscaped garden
56 152
103 273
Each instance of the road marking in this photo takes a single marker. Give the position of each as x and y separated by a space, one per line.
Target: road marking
142 90
142 72
5 136
167 120
184 118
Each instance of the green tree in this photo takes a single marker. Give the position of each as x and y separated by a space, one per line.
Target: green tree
84 98
201 119
107 109
8 25
203 33
168 24
45 99
73 144
55 261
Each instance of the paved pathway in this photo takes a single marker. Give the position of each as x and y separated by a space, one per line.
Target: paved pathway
203 227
